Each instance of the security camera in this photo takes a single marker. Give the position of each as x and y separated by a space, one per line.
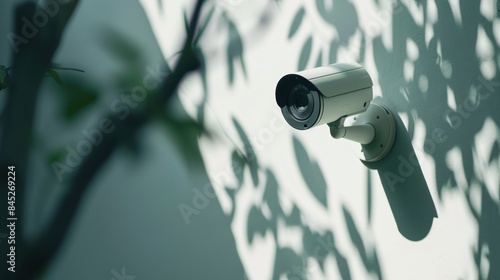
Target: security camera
335 95
324 94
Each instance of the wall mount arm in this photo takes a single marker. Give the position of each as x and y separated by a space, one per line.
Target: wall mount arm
374 130
363 133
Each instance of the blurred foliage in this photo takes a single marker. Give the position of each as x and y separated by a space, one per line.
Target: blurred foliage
57 154
77 95
185 133
182 129
52 72
129 55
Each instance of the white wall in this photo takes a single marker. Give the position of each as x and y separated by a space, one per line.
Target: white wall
434 64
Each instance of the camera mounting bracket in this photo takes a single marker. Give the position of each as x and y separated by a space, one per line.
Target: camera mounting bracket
372 131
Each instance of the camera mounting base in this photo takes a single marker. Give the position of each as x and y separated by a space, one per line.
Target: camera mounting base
385 133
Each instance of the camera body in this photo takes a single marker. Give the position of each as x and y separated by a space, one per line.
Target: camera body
328 95
324 94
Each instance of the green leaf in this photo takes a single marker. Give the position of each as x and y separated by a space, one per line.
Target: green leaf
55 76
67 68
122 48
305 54
78 104
297 20
56 155
77 97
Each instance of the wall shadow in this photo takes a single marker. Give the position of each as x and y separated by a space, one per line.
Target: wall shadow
311 172
433 73
453 90
405 186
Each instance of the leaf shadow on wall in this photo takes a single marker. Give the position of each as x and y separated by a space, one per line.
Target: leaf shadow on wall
368 255
269 219
311 172
405 186
453 91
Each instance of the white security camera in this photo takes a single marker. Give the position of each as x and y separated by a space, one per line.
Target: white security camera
324 94
329 95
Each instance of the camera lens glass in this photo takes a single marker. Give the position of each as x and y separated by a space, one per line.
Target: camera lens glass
300 102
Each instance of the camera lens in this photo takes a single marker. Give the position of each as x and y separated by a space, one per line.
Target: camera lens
300 102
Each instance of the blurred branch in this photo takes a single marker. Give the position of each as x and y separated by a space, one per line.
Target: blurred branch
45 247
31 59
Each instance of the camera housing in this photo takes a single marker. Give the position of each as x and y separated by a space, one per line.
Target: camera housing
324 94
337 94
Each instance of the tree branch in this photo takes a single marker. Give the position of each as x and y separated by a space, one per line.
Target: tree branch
31 59
51 239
